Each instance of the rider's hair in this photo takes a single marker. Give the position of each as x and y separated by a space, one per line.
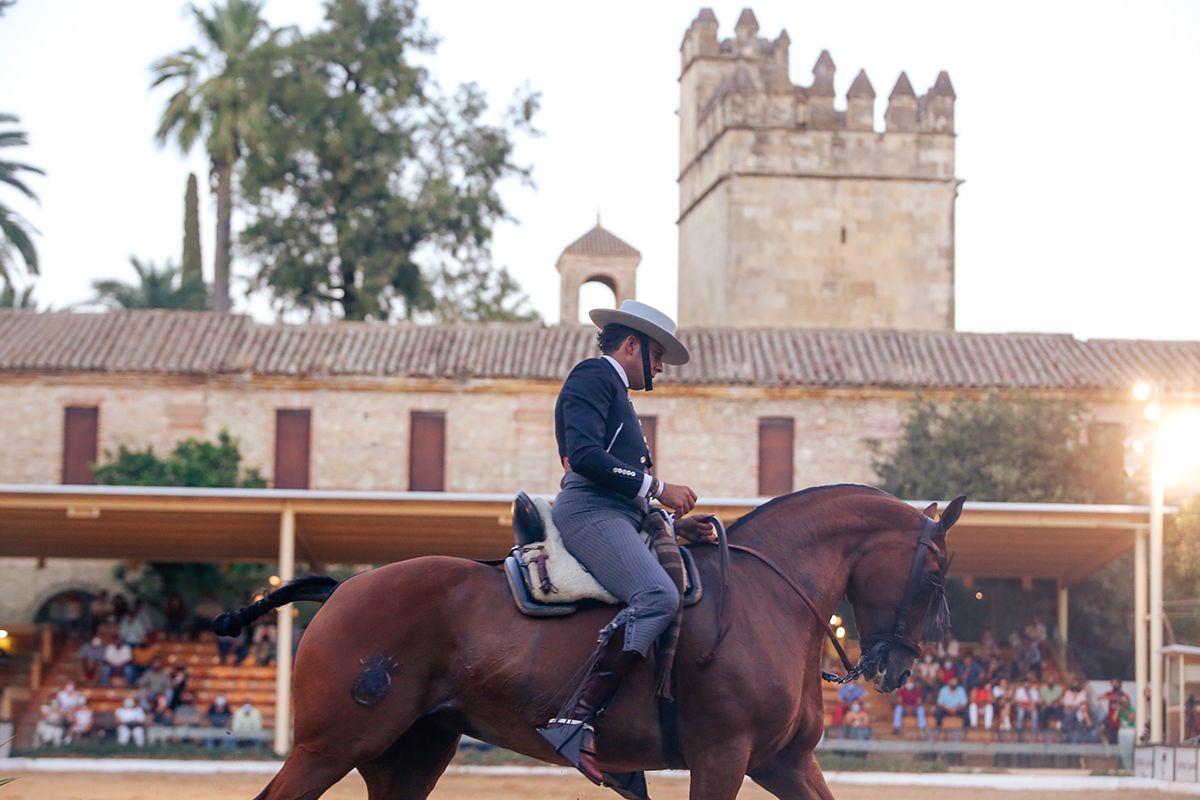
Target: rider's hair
612 335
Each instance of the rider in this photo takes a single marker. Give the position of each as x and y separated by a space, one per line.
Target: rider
605 496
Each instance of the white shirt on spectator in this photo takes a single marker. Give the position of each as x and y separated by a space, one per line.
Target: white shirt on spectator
118 654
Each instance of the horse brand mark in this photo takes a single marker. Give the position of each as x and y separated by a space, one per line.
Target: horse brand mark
373 682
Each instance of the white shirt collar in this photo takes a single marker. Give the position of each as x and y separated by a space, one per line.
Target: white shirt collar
620 370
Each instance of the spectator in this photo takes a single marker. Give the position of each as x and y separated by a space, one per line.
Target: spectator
118 657
174 617
1036 631
72 615
120 606
1002 701
1030 658
247 720
203 613
238 645
155 681
131 723
187 713
952 702
264 640
99 610
948 648
927 676
50 725
986 651
981 701
1050 702
161 711
131 630
219 718
80 722
908 702
858 724
1025 700
180 675
971 674
848 695
1117 700
68 698
949 670
1077 718
91 656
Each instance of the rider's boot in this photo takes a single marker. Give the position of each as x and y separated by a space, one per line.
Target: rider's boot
572 735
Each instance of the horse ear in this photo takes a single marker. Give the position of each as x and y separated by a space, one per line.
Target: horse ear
931 511
952 512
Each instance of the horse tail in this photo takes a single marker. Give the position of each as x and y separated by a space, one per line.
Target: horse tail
311 587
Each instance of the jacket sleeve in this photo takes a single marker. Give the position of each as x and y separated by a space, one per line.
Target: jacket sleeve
587 397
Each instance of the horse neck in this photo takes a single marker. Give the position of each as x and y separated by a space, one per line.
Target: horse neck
816 538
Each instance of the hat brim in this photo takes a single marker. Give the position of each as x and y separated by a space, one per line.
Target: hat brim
674 353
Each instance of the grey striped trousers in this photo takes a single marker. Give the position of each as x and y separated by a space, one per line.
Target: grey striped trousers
601 529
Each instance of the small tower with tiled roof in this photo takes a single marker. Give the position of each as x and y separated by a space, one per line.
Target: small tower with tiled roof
600 257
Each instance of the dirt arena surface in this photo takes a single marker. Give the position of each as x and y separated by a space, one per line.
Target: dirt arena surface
152 786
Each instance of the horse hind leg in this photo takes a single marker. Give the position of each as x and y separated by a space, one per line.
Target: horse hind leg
409 769
304 776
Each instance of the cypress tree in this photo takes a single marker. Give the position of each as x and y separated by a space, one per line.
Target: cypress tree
191 234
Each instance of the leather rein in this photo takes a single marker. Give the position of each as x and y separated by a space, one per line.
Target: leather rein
874 647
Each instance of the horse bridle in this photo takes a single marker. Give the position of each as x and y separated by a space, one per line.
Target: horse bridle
875 647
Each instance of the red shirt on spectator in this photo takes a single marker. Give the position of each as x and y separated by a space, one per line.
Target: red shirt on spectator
909 695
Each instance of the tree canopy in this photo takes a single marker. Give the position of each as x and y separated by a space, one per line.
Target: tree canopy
372 184
157 287
191 463
16 234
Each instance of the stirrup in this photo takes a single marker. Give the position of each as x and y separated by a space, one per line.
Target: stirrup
566 737
630 785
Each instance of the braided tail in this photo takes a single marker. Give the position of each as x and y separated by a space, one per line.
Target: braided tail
311 587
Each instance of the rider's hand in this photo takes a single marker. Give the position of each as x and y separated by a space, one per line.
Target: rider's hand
695 529
678 498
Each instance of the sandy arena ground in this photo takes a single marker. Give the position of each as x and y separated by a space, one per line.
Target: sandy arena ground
148 786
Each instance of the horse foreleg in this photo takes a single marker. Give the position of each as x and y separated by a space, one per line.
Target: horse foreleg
718 770
792 776
409 769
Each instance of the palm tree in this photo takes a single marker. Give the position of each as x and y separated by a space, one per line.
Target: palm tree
219 94
15 232
156 288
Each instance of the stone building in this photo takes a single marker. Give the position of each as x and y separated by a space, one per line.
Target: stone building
793 213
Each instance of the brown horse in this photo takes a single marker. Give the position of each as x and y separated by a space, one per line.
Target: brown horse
462 660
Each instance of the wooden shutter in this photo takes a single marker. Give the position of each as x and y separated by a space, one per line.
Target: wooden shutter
775 463
427 452
650 431
293 429
81 429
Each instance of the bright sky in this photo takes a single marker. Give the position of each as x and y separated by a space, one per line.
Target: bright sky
1077 126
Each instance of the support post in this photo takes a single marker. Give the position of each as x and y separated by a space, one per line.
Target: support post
283 634
1156 600
1063 619
1141 653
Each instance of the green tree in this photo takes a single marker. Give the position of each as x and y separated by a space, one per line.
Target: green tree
477 293
1023 450
11 297
191 269
191 463
156 288
16 235
371 172
218 92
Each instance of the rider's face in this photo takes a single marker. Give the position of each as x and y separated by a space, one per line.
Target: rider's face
633 363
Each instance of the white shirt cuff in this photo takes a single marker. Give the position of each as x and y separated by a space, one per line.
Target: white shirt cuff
646 482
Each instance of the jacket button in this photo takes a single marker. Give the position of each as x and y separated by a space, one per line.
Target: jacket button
643 459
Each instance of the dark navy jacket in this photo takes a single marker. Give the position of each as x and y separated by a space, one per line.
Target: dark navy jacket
598 430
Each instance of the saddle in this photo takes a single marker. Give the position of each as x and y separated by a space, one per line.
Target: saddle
547 581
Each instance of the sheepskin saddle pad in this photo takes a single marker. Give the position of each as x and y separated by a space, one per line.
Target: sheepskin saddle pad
546 580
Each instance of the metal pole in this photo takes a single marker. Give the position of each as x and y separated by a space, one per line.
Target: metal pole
283 635
1156 599
1063 619
1141 660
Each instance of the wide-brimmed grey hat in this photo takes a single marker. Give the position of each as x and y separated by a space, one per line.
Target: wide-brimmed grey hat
648 320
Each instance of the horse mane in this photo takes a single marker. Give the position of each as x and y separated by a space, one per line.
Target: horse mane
788 498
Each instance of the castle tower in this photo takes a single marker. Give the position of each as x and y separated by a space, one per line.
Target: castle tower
794 213
597 256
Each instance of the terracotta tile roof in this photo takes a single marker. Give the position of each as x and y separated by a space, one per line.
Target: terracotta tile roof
203 343
600 242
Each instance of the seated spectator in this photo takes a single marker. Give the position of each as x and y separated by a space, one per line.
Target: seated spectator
161 712
1025 701
1117 700
927 676
155 681
187 713
1030 658
247 719
1050 705
949 670
908 702
203 613
264 640
131 630
175 617
986 651
981 702
80 722
180 675
858 724
948 648
118 657
68 698
971 673
131 723
238 645
952 702
1077 717
1002 702
99 610
91 656
50 726
848 695
219 717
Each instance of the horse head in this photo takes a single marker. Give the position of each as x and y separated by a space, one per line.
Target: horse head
898 592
